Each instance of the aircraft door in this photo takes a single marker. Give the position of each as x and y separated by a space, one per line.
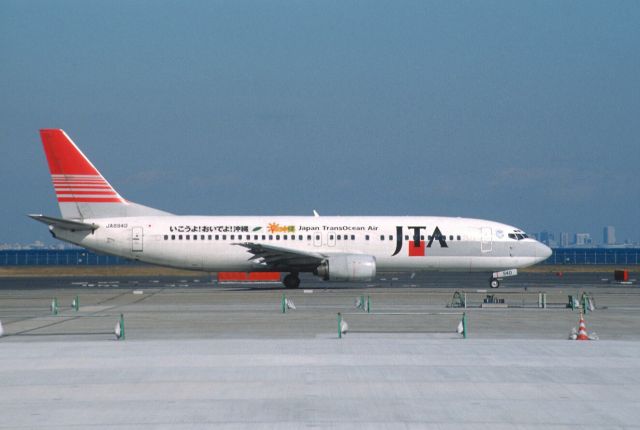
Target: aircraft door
136 239
486 240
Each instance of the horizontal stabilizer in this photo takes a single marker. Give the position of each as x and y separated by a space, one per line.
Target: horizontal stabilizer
65 224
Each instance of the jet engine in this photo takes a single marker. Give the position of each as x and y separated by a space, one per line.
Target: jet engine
348 267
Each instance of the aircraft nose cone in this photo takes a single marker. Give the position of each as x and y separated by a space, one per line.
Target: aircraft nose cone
543 251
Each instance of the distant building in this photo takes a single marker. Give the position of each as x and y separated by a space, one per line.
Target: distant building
547 238
583 239
609 235
564 240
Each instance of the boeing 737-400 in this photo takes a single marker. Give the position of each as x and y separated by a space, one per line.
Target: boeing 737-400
335 248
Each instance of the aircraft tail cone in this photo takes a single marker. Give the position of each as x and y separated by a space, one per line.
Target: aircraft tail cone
1 329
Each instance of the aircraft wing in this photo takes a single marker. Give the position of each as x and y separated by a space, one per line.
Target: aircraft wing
283 259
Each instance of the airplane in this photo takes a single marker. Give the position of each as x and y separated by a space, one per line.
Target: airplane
335 248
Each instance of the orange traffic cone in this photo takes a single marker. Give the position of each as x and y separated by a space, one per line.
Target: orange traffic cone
582 330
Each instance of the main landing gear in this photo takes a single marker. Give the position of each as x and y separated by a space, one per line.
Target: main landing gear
291 280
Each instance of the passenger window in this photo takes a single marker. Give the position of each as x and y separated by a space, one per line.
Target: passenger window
233 237
353 237
390 237
173 237
308 237
277 237
224 237
317 237
406 237
381 237
217 237
166 237
195 237
459 237
180 237
202 237
366 237
451 237
284 237
188 236
300 237
331 237
270 237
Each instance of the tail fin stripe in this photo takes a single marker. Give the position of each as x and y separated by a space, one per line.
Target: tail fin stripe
79 181
89 192
82 187
72 176
88 200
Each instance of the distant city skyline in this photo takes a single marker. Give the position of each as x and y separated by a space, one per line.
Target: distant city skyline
567 239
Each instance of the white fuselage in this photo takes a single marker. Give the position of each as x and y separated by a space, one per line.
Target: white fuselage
211 243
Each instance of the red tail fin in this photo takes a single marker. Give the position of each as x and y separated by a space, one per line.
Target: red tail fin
81 190
75 179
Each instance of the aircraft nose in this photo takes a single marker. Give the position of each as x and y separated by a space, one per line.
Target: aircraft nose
543 251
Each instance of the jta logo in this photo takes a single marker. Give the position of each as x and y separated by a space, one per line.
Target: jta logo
416 243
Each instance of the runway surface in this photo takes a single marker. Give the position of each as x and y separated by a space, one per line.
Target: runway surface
200 354
390 280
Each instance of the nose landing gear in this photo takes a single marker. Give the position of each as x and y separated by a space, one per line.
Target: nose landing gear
494 283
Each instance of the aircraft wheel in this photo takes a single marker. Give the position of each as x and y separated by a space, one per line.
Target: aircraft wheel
291 281
494 283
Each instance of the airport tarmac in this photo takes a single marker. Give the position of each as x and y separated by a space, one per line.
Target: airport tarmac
199 355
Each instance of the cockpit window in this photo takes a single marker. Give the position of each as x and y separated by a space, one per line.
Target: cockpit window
518 235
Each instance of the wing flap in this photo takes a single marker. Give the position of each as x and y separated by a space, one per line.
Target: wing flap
283 259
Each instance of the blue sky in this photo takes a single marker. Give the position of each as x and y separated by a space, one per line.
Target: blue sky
522 112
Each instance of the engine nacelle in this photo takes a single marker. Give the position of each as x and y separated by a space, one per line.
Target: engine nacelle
351 267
